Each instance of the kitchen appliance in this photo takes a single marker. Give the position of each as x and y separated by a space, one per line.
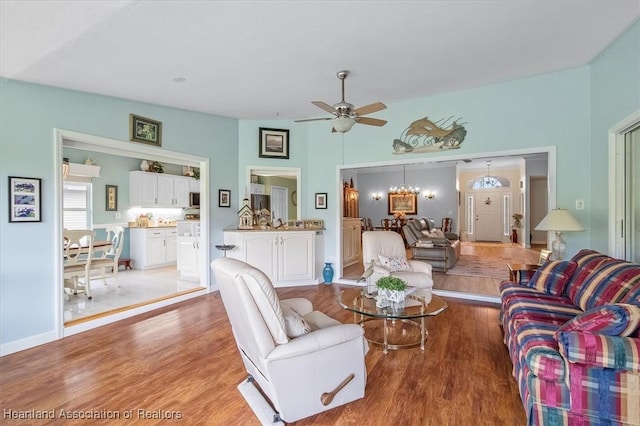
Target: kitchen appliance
194 199
259 202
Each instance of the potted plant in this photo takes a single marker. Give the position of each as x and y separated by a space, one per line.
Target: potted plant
390 289
517 220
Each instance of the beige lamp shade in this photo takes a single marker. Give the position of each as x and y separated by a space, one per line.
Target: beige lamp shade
559 220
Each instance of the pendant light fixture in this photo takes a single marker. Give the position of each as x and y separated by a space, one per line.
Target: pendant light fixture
404 189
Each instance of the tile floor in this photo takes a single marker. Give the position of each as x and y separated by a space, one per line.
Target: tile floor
136 286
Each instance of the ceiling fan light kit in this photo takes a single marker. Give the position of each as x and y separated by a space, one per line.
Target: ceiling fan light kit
344 114
343 124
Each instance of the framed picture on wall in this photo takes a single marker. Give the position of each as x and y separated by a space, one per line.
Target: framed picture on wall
111 198
24 199
274 143
399 203
145 130
321 200
224 198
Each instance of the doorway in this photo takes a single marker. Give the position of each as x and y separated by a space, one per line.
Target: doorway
624 189
109 147
538 207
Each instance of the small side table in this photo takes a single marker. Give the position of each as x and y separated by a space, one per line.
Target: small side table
225 247
516 268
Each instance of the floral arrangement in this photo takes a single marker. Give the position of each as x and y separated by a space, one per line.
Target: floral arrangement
517 220
155 167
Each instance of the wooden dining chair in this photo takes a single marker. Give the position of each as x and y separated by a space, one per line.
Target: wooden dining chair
107 262
78 253
446 224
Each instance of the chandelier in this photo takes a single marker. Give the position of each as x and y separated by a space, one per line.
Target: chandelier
404 189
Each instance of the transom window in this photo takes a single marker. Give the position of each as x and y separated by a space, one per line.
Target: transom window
488 182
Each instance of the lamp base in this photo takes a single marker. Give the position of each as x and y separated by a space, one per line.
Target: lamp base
559 247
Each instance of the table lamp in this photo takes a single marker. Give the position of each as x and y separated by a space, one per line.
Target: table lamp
559 221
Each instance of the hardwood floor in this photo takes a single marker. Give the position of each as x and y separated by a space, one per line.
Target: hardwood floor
181 361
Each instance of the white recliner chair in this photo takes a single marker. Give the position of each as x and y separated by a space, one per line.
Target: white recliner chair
390 245
320 369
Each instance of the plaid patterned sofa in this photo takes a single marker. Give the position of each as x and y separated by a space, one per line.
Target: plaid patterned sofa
573 334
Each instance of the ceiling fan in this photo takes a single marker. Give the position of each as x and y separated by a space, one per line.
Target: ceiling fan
344 114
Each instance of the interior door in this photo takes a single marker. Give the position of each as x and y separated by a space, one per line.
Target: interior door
279 203
488 216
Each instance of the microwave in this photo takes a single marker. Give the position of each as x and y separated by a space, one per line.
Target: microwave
194 199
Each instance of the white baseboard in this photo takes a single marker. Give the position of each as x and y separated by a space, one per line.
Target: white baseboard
28 342
468 296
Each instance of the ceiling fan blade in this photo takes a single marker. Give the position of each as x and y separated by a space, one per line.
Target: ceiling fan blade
371 108
324 106
371 121
313 119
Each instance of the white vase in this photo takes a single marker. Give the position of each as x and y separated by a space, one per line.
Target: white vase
144 166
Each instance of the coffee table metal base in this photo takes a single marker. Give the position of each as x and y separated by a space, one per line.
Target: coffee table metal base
394 334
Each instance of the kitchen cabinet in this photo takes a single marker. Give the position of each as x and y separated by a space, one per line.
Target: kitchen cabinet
188 246
158 190
153 247
257 188
351 241
288 258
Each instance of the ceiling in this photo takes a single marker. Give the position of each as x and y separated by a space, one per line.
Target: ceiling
269 59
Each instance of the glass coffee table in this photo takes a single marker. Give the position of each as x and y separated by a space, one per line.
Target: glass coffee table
399 326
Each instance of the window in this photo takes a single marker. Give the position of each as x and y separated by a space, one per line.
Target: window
488 182
76 205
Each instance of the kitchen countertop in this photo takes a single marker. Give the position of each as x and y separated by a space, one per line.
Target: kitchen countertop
154 226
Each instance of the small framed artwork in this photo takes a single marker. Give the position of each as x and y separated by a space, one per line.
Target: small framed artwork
321 200
145 130
224 198
24 199
111 198
407 204
274 143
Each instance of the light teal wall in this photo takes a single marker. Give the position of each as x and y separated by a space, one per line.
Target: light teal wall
545 110
29 113
615 94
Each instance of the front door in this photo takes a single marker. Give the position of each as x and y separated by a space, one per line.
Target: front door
488 216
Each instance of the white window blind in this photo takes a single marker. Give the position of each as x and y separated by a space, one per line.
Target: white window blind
76 205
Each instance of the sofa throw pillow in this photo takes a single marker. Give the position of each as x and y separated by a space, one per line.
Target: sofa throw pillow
295 325
438 233
395 264
617 319
552 277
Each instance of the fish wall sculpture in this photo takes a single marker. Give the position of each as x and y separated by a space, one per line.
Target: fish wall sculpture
425 135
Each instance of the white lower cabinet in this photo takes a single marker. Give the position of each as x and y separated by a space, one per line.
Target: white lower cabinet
290 257
153 247
188 253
